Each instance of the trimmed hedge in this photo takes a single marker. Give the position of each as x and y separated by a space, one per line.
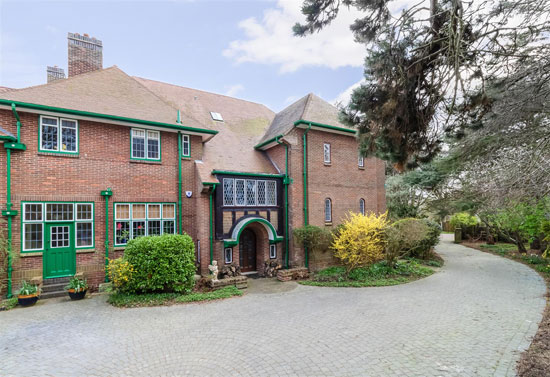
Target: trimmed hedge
158 264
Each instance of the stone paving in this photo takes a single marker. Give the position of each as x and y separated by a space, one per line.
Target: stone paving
472 318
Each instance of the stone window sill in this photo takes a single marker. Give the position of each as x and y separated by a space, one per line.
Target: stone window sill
58 154
84 251
328 164
361 168
328 223
150 162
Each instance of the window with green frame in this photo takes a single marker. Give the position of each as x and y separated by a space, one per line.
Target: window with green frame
143 219
36 214
185 146
144 144
58 135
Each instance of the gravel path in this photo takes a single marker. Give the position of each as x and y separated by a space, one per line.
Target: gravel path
472 318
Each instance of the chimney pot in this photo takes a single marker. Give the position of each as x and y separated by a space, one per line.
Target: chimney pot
85 54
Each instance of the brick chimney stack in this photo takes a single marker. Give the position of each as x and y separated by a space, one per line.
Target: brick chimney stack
85 54
55 73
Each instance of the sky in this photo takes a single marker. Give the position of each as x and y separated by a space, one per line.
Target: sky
240 48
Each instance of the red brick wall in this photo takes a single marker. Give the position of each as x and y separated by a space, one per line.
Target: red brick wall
103 161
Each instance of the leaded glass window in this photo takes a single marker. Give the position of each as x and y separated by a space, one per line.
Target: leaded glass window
362 206
261 188
328 210
239 192
326 153
33 211
68 135
58 135
138 229
168 227
84 211
145 144
271 193
228 191
250 192
361 162
84 234
168 211
153 228
122 232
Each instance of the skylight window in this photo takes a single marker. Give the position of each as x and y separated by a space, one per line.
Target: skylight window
216 116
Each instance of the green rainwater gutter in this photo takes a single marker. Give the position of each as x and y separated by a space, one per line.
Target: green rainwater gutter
33 106
211 224
14 110
286 182
306 222
248 174
179 182
107 194
326 126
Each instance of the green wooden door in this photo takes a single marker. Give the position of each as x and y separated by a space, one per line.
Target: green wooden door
59 251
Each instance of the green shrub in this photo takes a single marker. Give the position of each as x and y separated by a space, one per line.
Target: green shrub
313 237
432 238
160 264
463 220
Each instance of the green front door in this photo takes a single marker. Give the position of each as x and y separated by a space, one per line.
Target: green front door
59 250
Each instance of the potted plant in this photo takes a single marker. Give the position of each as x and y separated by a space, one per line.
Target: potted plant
28 294
77 288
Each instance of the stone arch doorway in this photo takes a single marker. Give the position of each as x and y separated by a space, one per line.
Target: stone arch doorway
248 250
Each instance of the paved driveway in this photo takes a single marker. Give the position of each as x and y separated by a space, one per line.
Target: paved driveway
472 318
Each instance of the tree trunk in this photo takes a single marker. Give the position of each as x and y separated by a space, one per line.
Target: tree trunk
519 243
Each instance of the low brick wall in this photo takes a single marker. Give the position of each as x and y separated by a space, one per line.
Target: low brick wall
237 281
293 274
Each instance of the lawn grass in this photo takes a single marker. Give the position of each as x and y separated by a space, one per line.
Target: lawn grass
377 275
500 247
8 303
128 300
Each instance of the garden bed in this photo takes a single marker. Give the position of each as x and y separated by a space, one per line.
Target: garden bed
535 362
126 300
377 275
8 303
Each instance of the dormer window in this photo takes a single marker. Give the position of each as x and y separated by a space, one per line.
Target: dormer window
216 116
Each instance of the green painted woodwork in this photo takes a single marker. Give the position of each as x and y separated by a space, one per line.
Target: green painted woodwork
107 194
59 260
235 241
15 146
325 126
306 222
14 110
76 153
247 174
286 182
146 138
106 116
180 180
188 155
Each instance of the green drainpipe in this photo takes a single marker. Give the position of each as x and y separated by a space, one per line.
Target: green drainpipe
306 222
286 182
211 225
106 194
179 182
8 210
14 110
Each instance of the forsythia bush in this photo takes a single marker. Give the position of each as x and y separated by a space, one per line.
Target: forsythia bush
156 263
361 240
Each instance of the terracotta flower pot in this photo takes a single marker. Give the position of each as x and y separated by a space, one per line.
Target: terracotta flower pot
74 295
27 300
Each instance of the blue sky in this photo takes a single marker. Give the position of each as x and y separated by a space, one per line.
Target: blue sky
240 48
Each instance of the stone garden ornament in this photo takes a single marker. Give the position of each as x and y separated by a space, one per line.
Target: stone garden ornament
213 268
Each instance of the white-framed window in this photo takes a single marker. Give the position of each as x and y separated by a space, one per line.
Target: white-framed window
58 135
185 146
134 220
361 162
362 206
326 153
228 255
145 144
36 215
328 210
273 251
249 192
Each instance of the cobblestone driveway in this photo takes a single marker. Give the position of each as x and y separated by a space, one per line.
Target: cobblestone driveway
470 319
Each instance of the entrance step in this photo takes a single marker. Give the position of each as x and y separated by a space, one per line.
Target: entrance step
54 287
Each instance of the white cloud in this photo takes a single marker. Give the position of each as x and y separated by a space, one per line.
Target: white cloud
344 97
234 89
271 41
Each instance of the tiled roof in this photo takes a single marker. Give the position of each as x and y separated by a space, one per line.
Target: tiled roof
108 91
244 123
311 108
5 89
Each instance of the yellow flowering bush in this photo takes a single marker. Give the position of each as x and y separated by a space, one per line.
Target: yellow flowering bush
120 273
361 240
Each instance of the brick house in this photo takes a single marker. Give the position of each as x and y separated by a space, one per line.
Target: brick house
101 157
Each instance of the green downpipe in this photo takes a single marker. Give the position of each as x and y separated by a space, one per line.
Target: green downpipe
286 182
8 208
106 239
180 217
306 222
14 110
106 194
211 224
